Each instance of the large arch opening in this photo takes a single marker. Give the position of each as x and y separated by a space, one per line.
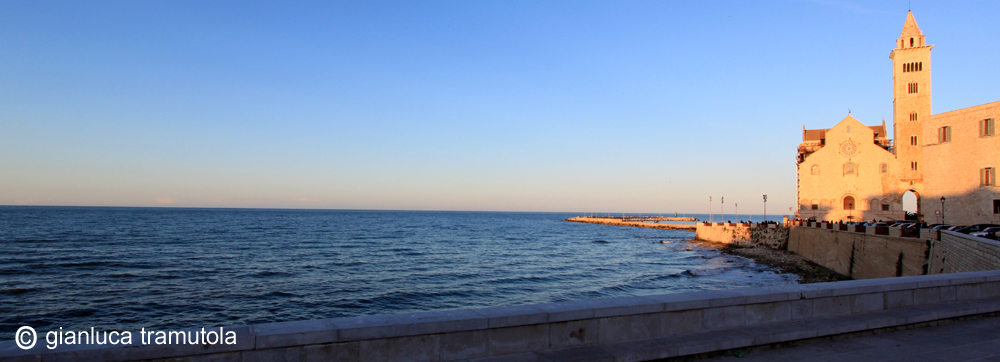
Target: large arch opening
911 205
849 203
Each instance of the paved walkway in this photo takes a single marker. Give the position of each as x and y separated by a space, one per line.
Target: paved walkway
970 340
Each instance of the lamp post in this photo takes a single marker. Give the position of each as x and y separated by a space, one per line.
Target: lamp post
722 200
942 210
710 209
737 205
765 209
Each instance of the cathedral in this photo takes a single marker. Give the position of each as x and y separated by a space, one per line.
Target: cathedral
854 172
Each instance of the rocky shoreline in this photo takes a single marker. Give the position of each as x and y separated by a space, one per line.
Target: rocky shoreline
785 261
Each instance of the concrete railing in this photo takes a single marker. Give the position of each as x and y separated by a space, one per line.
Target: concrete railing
631 328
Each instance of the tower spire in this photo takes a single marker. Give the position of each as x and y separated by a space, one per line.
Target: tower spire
910 28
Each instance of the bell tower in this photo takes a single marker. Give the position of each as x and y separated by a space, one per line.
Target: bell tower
911 91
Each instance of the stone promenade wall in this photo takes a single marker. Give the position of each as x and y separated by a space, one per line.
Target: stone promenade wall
954 252
743 234
632 328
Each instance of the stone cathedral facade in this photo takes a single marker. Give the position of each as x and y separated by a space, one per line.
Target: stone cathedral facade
853 172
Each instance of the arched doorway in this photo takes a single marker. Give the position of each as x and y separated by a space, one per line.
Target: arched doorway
849 203
911 205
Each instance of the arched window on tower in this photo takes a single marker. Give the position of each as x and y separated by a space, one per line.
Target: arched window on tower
913 116
911 42
920 66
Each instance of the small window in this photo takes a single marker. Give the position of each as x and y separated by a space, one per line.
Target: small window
987 127
944 134
988 177
913 140
814 170
884 168
913 116
850 168
996 207
848 129
912 88
913 165
911 42
885 207
815 206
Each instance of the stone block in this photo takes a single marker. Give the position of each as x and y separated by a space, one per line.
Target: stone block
518 339
831 306
681 322
518 315
409 324
519 357
801 309
573 333
463 345
947 294
755 314
967 292
898 299
346 352
611 307
284 334
627 328
567 311
723 318
870 302
927 296
990 289
411 348
680 301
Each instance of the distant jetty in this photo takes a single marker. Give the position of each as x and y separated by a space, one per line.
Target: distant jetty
651 222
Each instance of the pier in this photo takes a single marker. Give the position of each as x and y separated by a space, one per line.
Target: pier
651 222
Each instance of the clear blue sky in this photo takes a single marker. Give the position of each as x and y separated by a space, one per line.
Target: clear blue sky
466 105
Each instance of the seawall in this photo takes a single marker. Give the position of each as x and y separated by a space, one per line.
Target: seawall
619 329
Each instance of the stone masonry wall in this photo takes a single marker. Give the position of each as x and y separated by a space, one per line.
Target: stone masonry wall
742 234
859 255
957 252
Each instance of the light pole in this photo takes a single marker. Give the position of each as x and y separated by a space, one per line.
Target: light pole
942 210
710 209
765 209
723 202
737 206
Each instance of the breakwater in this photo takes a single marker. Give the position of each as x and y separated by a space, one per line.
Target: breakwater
619 221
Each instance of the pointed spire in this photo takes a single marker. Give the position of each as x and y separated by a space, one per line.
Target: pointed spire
910 28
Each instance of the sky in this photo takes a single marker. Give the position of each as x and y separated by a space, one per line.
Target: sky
572 106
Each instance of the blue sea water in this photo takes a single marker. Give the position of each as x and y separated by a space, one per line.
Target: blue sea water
170 268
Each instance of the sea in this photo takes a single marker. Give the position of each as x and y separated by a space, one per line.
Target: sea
181 268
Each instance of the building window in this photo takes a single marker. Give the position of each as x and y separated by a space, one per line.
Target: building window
885 207
850 168
815 206
911 42
988 177
987 127
912 87
944 134
884 168
913 116
996 206
814 170
913 165
913 140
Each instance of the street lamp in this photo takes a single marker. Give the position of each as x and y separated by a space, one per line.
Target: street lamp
723 202
765 209
737 210
710 209
942 210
